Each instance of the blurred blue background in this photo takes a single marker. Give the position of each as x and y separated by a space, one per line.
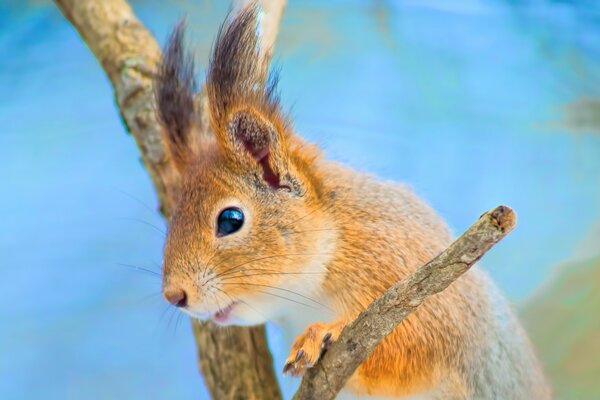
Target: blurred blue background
473 103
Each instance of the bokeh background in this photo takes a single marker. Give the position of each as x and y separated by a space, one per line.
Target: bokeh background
474 103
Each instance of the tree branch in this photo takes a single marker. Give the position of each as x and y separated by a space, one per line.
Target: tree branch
358 339
236 363
129 55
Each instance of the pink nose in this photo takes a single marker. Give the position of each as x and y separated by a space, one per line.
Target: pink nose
177 297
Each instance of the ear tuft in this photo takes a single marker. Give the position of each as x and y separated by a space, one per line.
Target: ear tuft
245 116
175 88
238 73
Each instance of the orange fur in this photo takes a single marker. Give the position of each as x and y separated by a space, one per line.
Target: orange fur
319 234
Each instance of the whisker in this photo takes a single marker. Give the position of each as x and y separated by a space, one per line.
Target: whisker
241 273
140 269
227 271
173 313
233 300
252 308
206 264
178 320
162 314
226 294
211 258
161 319
202 274
282 289
150 296
141 221
146 206
288 299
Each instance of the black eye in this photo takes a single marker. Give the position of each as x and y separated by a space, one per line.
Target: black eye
230 220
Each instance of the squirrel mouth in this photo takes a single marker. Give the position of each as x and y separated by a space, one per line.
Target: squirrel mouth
223 315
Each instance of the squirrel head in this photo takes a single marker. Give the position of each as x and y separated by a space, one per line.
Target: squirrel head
245 229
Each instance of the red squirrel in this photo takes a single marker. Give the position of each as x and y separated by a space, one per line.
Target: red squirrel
266 229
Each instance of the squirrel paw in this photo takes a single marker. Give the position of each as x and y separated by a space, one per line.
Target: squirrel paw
310 346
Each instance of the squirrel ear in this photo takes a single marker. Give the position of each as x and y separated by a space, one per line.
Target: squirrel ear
251 134
245 116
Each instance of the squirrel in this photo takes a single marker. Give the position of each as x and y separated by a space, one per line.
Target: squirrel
267 229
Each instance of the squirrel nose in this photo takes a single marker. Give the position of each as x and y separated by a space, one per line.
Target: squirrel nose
177 297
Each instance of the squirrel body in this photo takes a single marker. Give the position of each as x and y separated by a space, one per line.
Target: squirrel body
266 229
462 343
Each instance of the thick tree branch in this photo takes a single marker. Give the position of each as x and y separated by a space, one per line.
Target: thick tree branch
235 363
358 339
129 55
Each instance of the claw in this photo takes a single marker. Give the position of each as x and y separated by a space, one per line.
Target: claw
287 367
299 355
309 347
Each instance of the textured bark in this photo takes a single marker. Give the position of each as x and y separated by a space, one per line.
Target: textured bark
358 339
221 352
236 363
129 55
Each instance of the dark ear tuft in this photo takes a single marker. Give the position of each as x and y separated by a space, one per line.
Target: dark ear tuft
244 104
175 88
238 74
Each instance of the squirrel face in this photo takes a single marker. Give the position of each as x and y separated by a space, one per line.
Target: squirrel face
246 228
235 244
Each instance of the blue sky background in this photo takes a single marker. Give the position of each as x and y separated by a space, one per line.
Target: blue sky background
473 103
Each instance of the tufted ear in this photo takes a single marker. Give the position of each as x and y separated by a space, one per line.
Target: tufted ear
244 107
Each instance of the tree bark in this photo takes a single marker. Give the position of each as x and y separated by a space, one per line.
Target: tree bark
358 339
236 363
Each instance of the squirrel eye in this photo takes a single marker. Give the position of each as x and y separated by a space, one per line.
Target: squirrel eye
230 220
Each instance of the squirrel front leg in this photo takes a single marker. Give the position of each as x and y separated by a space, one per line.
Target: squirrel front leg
310 345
